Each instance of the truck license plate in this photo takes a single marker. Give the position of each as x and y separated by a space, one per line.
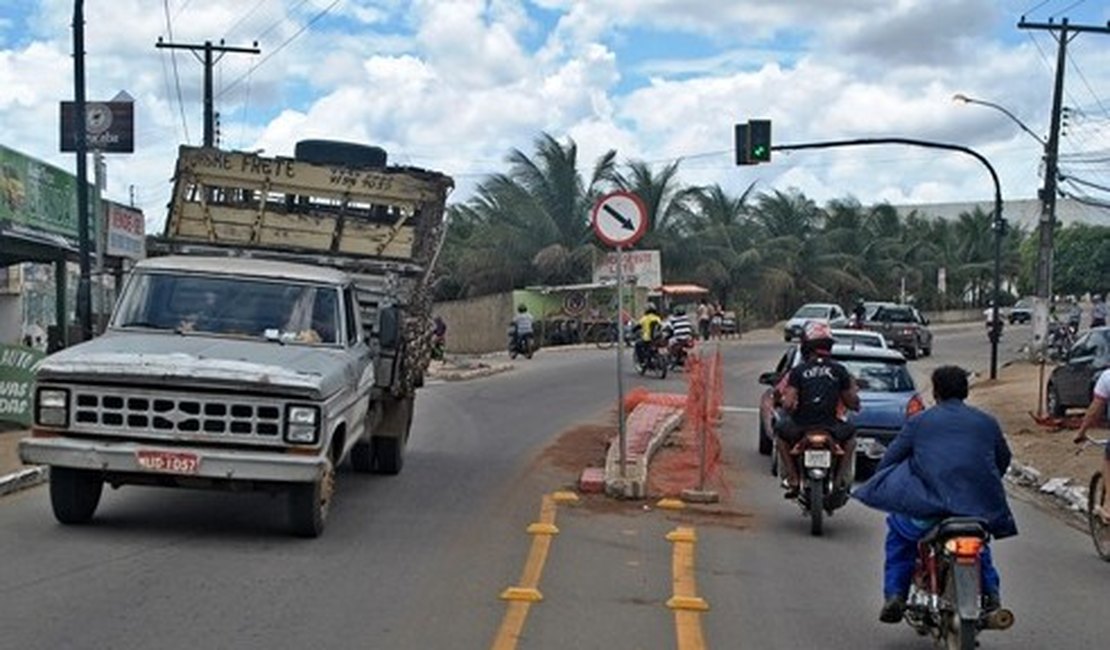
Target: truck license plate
172 462
818 458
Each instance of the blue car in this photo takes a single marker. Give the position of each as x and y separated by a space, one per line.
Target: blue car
887 394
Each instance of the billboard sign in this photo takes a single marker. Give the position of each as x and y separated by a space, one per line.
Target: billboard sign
109 126
126 232
641 268
38 197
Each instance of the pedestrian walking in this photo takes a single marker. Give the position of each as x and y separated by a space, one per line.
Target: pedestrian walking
704 317
1098 311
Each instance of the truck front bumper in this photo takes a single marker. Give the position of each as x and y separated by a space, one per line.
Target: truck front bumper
213 463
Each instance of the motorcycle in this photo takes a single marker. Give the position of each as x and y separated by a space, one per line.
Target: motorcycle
521 344
818 458
653 356
1060 338
679 349
945 599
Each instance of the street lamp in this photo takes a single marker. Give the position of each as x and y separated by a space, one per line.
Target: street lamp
964 99
1047 222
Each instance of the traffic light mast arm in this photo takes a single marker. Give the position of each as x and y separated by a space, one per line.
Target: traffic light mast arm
998 225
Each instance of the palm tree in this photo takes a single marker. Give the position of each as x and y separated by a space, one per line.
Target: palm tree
530 225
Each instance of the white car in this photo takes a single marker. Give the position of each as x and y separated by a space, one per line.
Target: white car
825 312
860 338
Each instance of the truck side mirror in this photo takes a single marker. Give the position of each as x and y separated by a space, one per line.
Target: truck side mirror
389 327
769 378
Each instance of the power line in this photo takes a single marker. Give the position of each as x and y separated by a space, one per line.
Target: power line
279 21
242 18
176 77
280 47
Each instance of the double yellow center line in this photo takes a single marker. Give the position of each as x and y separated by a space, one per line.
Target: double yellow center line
686 604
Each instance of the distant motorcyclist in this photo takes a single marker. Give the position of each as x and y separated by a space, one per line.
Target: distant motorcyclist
680 335
1074 314
523 326
648 326
1098 311
679 325
859 313
814 396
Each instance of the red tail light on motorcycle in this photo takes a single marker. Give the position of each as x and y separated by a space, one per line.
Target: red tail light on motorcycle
964 547
915 405
819 439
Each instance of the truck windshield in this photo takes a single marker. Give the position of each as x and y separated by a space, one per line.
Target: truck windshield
274 310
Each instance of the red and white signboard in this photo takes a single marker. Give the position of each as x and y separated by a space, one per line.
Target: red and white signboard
126 232
639 267
620 219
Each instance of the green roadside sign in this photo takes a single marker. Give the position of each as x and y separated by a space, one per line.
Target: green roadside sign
39 196
16 381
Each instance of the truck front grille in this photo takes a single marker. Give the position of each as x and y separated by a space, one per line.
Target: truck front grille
116 411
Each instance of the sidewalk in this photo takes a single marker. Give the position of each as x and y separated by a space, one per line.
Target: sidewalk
14 475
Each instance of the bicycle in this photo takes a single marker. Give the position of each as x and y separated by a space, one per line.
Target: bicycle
1096 502
602 334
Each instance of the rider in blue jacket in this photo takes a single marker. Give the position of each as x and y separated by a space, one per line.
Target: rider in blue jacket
947 461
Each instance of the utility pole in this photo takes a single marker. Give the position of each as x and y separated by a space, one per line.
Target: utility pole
1047 224
208 61
84 293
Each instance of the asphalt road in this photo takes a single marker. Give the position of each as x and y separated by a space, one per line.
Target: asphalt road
418 560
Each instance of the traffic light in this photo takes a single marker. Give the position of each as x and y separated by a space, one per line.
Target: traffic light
742 145
753 142
759 141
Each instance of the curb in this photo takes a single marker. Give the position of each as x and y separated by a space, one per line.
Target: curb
23 479
633 485
473 373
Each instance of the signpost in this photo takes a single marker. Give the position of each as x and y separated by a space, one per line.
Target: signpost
620 220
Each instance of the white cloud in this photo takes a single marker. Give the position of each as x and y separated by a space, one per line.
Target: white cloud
456 84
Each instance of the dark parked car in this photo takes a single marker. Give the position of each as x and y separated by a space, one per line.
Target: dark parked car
1071 384
904 328
887 397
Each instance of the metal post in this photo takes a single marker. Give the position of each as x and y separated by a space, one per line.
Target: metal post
209 113
61 305
622 436
100 182
84 310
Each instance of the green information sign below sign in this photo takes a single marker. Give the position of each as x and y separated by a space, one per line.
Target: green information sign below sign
16 379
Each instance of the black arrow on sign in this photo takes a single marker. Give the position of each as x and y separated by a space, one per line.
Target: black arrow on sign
625 222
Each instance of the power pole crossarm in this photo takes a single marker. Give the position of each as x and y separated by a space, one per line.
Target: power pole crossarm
208 48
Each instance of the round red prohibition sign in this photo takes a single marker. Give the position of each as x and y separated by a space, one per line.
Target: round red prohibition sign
620 219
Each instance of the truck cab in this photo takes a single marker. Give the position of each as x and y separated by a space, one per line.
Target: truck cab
257 357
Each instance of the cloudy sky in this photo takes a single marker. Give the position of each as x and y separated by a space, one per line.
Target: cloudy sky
454 85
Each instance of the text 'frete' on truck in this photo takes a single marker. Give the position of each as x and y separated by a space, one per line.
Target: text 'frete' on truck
282 328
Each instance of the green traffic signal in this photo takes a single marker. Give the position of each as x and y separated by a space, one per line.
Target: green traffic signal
759 140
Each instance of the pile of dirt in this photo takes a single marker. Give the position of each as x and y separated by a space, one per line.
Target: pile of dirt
1048 447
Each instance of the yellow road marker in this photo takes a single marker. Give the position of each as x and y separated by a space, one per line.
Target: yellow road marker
671 504
685 602
564 496
527 590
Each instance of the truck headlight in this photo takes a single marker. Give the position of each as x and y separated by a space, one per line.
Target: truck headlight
302 424
52 407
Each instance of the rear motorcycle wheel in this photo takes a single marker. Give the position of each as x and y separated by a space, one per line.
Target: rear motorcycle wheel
959 634
816 507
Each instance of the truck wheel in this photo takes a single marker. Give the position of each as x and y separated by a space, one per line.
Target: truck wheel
1053 406
766 444
362 457
309 504
74 494
389 450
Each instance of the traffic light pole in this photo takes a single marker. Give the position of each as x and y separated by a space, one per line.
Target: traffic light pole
998 224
